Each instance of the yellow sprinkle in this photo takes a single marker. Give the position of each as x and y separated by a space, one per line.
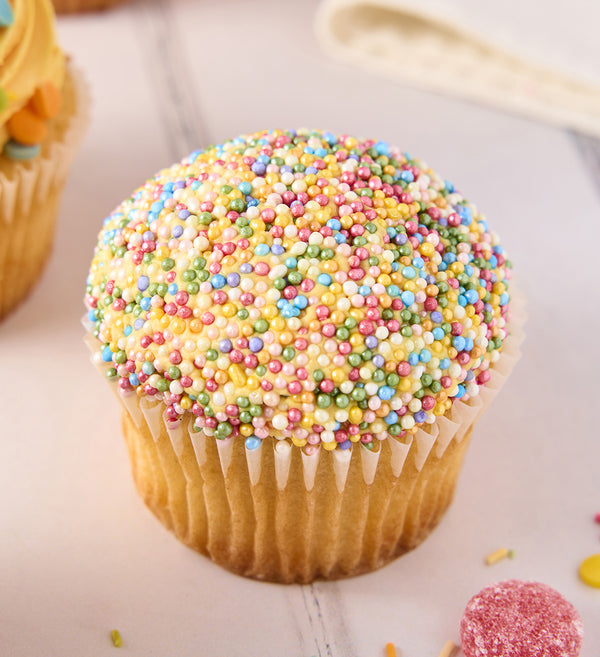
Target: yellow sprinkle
237 376
448 648
390 650
497 555
117 640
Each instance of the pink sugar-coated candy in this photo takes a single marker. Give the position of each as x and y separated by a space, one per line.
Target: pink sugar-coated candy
520 619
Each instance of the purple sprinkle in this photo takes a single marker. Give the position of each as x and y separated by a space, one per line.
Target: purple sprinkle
420 416
437 317
183 214
277 249
225 346
177 231
233 279
378 360
255 344
371 342
246 268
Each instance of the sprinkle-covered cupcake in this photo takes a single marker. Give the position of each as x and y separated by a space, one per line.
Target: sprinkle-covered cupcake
43 107
302 328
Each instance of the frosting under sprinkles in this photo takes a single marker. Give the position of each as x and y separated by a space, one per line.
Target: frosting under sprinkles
317 288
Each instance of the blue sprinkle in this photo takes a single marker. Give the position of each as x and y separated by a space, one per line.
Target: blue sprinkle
458 342
444 363
409 272
252 442
407 176
334 224
382 148
148 368
391 418
261 249
16 151
300 302
92 315
438 333
291 263
107 355
137 325
146 303
157 206
425 356
245 188
324 279
413 358
472 296
460 392
408 298
127 331
218 281
385 393
173 288
393 290
504 298
419 263
364 290
133 379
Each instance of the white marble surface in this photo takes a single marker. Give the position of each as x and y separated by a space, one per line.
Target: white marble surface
80 555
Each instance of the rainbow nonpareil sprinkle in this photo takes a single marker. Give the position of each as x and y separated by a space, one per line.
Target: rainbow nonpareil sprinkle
312 287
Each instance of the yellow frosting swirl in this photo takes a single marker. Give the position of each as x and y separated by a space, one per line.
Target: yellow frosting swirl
29 56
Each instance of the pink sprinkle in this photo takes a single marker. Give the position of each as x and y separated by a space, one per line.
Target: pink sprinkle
520 619
261 268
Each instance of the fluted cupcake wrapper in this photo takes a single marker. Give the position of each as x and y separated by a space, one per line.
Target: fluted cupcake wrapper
30 193
275 513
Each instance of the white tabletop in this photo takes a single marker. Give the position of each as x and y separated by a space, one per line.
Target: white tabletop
80 554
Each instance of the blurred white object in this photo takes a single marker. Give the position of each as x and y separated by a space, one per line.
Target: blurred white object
541 60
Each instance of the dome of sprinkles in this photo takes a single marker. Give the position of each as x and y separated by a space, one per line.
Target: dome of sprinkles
322 289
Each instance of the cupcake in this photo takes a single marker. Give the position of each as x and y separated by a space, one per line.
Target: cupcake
43 107
302 329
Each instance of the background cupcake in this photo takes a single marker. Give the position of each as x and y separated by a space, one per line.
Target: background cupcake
304 329
43 110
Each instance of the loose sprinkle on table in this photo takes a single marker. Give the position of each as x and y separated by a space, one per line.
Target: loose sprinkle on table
117 640
390 650
589 571
498 555
448 649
